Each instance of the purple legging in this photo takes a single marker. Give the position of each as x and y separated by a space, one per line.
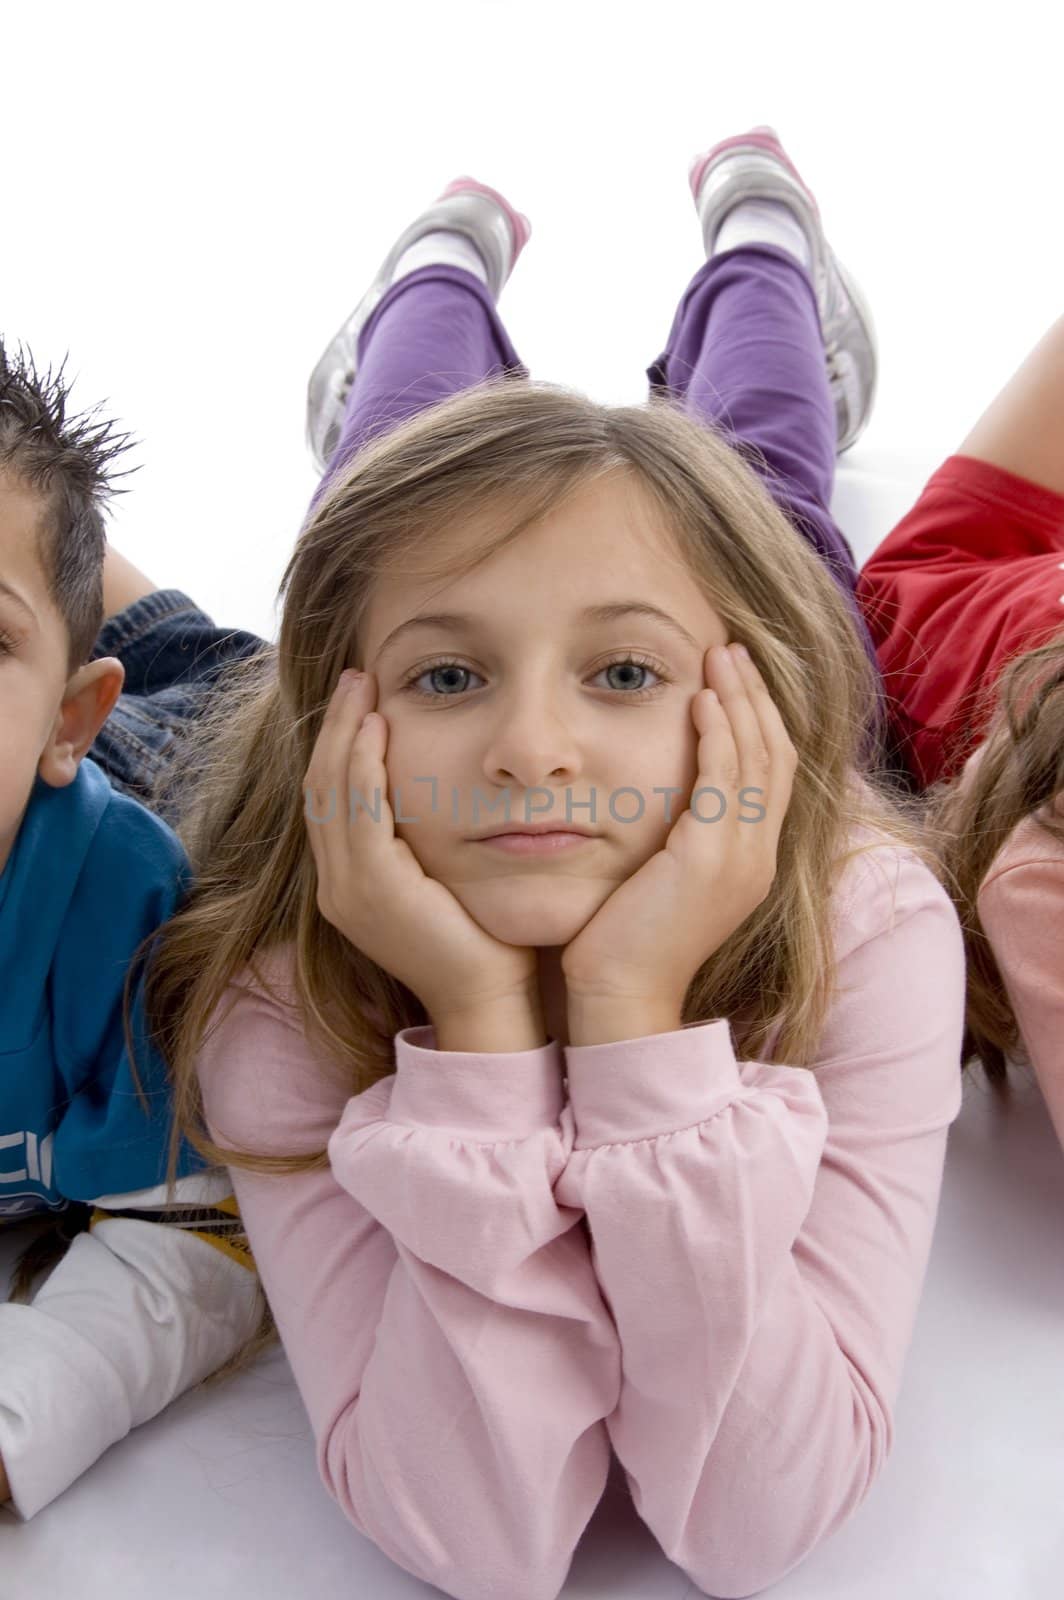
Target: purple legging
744 354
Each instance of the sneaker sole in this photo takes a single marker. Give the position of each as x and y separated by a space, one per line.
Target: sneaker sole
764 140
864 316
330 381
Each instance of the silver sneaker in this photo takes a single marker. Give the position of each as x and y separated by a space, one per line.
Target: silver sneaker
464 207
754 166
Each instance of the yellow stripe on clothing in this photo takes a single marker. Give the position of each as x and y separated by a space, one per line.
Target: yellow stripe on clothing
232 1242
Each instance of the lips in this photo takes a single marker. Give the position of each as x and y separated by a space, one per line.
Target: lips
537 829
547 841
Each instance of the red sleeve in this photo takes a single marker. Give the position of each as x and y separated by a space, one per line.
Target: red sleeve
970 578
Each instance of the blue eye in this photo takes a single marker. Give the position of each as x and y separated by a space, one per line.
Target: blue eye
439 667
454 691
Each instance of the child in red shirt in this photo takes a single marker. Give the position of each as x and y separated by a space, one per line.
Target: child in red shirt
972 576
965 603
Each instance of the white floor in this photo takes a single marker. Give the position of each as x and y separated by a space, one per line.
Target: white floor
221 1497
194 198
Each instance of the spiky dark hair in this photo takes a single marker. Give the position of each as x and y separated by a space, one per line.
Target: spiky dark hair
69 460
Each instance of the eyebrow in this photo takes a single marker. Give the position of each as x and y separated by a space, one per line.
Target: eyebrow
5 588
610 611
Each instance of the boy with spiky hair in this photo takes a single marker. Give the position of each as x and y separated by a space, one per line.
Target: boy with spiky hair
135 1312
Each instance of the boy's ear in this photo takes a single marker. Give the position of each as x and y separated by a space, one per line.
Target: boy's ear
88 701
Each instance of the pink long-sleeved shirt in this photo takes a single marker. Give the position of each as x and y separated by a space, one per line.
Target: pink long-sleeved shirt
1021 908
711 1264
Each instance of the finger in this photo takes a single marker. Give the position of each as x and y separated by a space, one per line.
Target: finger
325 793
353 848
370 818
717 755
751 763
347 705
782 755
773 727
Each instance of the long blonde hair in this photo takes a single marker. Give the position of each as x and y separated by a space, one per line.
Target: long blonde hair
1018 773
520 447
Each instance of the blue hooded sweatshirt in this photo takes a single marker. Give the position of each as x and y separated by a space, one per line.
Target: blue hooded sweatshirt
91 873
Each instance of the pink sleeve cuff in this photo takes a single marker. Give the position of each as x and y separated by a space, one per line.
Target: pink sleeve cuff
488 1095
641 1088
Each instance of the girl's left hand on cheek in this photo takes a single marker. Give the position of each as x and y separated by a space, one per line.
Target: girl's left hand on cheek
647 941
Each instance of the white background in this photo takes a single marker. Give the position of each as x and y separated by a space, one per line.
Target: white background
195 196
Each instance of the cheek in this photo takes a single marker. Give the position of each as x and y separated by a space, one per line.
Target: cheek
407 758
24 730
421 775
27 715
665 775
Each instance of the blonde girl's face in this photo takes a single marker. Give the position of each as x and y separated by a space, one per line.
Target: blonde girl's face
529 693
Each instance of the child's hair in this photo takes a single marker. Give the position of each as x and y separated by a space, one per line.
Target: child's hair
1018 773
519 447
49 1241
68 460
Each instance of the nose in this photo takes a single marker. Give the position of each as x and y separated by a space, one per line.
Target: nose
532 745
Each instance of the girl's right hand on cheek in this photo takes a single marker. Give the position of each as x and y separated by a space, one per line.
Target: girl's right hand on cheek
372 887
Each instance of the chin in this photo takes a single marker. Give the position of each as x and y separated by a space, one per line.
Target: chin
534 908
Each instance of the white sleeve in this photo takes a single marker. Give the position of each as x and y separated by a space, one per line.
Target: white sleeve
134 1314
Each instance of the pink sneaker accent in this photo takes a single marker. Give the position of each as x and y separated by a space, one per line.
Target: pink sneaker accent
520 227
761 138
